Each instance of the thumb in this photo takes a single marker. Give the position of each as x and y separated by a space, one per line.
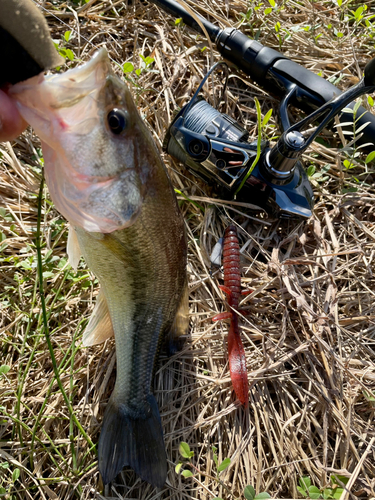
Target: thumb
11 122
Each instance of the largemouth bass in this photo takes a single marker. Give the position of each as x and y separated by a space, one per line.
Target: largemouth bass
106 177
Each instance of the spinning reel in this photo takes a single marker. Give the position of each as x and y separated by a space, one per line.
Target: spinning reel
215 148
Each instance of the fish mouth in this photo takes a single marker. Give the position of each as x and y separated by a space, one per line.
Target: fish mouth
90 179
79 82
64 101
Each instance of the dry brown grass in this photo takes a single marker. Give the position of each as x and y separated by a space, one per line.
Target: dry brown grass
309 339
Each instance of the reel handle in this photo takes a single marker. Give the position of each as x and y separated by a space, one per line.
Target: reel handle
280 161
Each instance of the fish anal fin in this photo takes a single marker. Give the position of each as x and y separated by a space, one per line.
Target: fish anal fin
99 327
135 440
72 248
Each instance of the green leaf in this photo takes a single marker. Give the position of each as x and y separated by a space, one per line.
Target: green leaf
311 170
70 54
184 449
262 496
358 130
138 71
67 35
368 395
214 450
16 475
339 34
149 60
302 491
255 161
178 467
224 464
48 274
4 368
187 473
370 100
358 13
127 67
337 477
178 21
267 117
338 492
339 2
343 124
249 492
305 482
370 157
268 11
327 493
356 107
272 3
314 492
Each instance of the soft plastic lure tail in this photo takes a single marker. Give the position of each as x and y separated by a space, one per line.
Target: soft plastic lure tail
232 287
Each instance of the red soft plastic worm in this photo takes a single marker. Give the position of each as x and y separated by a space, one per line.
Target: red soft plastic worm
232 287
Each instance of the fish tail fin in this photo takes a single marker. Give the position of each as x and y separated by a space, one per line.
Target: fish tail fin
132 439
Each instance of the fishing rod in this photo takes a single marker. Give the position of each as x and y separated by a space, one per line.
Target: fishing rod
214 147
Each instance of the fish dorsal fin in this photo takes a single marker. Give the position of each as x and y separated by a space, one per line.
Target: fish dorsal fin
72 249
99 327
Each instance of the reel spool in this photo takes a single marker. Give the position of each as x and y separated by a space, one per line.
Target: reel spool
211 144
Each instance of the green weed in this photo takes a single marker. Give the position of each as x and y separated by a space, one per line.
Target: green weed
187 469
333 491
63 50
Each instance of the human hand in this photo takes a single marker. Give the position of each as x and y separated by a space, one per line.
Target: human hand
11 122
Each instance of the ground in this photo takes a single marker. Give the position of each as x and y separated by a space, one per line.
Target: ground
309 334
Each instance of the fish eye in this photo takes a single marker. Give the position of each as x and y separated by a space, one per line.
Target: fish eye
117 120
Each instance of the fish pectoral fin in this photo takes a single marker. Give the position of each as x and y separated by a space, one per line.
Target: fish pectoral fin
127 439
99 327
72 249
